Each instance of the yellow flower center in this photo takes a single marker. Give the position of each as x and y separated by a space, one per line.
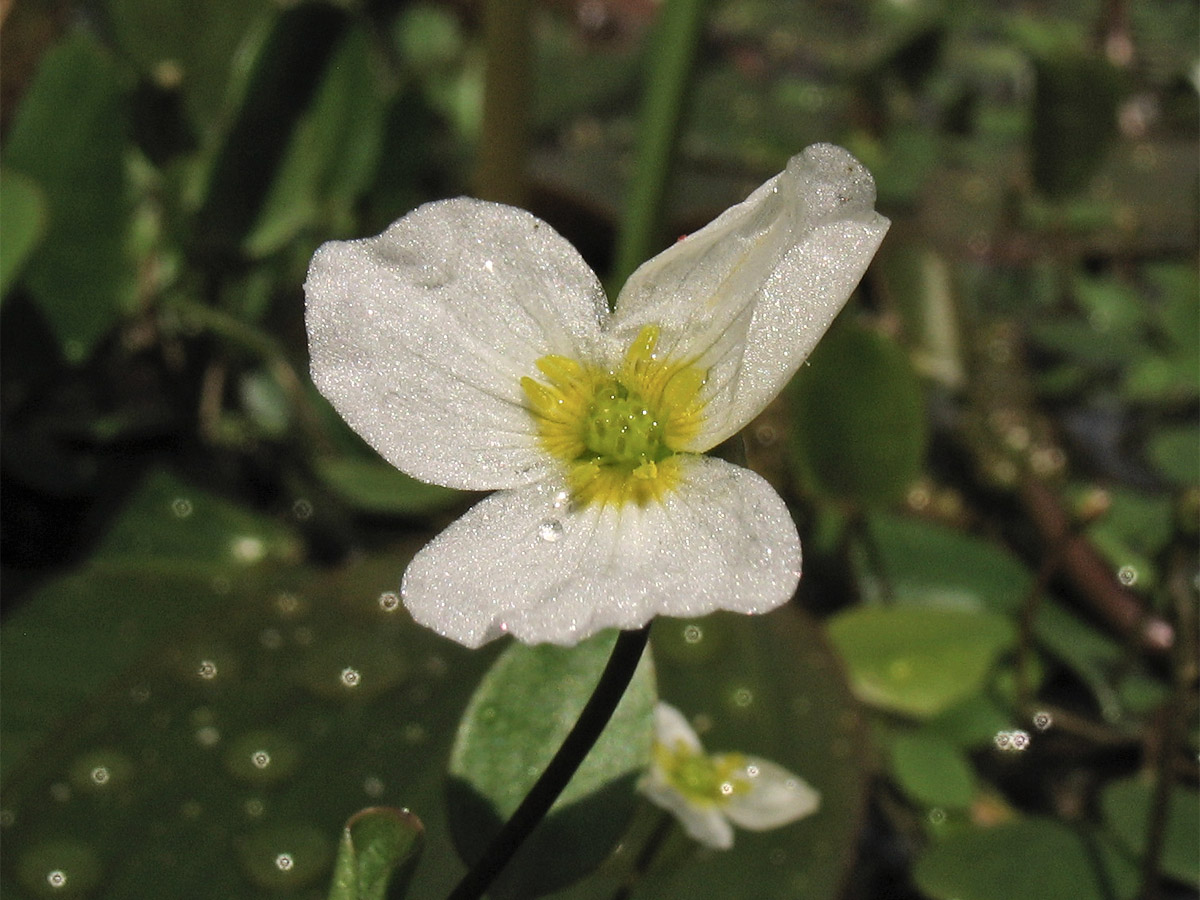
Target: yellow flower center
620 433
704 780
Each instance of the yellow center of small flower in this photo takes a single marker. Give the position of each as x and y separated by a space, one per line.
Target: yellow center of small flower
704 780
619 432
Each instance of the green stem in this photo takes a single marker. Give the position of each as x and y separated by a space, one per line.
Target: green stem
673 53
504 143
599 709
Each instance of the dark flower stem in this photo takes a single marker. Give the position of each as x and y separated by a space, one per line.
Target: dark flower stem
599 709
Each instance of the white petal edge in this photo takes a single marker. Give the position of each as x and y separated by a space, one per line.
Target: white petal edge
749 295
722 539
419 336
704 824
776 797
671 728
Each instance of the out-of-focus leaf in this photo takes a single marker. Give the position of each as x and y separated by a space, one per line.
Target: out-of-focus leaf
80 275
932 771
860 429
918 661
519 716
1074 119
333 151
376 487
285 77
171 524
1036 859
22 222
1126 805
932 565
195 48
380 847
1176 453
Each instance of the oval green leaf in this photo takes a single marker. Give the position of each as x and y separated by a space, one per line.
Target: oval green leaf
1035 859
860 430
918 661
1127 804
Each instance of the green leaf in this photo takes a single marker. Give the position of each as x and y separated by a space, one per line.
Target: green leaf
378 844
928 564
932 771
333 151
22 222
80 275
860 418
1175 452
196 48
517 719
1127 804
171 524
918 661
377 487
1074 119
1035 859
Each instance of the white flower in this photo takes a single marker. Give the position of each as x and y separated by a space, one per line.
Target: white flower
708 792
473 348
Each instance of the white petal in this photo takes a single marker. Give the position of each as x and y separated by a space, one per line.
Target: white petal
750 294
419 337
722 539
702 823
776 797
671 728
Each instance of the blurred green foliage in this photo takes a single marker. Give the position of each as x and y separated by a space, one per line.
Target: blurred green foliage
993 459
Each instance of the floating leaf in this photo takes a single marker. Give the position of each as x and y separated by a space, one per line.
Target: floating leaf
932 771
860 418
378 845
376 487
928 564
1035 859
918 661
1127 804
80 275
519 716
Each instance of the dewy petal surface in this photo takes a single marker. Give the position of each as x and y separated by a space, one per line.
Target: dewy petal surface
516 564
749 295
776 797
420 336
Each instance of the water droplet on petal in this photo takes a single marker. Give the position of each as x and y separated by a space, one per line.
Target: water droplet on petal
550 530
562 499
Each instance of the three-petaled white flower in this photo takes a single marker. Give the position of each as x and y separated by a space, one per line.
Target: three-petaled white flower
473 348
709 792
